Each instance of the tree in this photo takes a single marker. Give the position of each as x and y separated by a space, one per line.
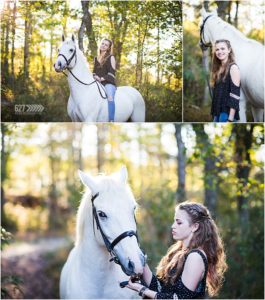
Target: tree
181 168
86 25
243 141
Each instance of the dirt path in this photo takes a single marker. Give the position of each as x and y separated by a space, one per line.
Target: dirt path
38 264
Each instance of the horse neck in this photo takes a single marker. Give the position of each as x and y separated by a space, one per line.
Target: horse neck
81 70
228 32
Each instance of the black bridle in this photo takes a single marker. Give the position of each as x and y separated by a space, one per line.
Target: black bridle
68 61
110 245
204 45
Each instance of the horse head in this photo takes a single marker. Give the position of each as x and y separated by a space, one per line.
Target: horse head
113 219
205 27
66 55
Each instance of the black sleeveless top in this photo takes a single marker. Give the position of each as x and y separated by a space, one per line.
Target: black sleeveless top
226 95
179 290
106 71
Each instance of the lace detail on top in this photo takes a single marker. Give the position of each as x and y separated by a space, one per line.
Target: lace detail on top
178 289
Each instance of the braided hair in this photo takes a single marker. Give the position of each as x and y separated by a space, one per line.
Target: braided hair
207 238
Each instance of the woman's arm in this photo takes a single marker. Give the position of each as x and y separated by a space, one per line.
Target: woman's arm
235 92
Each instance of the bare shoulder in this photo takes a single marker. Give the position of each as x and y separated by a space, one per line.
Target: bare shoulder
113 62
195 259
235 74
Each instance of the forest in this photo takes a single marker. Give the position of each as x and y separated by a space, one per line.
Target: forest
246 16
147 37
220 166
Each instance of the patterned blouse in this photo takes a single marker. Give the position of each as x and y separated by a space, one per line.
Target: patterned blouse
179 290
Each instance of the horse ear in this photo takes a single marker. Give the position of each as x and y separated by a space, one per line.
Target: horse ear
88 181
73 38
63 37
123 175
203 13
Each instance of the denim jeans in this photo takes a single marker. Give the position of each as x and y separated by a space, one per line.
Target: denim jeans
111 90
223 117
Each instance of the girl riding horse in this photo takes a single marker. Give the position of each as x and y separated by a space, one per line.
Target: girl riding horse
104 72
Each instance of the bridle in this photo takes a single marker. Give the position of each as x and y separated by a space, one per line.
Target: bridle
68 61
110 245
204 45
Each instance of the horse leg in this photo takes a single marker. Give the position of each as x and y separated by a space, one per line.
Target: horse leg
242 107
258 114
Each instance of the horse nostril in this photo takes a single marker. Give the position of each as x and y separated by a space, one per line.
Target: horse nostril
131 266
59 63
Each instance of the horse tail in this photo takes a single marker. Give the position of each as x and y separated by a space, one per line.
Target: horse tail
138 114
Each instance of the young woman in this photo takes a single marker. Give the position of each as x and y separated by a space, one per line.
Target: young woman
194 262
226 83
104 72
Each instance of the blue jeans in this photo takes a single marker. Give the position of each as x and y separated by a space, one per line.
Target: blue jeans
223 117
111 90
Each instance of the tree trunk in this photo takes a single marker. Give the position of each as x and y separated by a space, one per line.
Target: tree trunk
243 135
6 63
236 15
102 130
3 171
181 189
13 45
27 31
206 5
158 54
205 63
222 9
87 24
210 177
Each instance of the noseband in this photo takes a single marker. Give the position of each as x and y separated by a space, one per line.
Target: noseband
110 246
68 61
203 45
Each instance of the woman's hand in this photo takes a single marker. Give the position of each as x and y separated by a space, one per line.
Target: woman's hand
134 285
96 77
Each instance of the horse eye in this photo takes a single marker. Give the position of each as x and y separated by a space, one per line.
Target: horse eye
71 50
102 214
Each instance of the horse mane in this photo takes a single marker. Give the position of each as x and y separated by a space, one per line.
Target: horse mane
107 184
237 33
83 58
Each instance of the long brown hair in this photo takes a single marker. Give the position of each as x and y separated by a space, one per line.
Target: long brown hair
207 238
102 57
218 70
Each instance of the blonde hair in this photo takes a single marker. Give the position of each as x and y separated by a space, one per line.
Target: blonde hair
207 238
102 57
217 72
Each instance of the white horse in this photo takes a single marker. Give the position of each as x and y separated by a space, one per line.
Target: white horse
249 56
86 103
88 272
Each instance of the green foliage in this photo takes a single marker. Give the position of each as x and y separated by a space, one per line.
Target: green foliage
13 280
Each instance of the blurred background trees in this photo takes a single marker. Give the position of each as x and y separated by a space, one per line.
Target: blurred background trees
246 16
147 38
218 165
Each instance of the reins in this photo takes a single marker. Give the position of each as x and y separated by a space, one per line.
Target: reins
99 85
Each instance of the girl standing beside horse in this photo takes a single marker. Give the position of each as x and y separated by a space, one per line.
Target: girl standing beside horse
226 83
104 72
194 262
